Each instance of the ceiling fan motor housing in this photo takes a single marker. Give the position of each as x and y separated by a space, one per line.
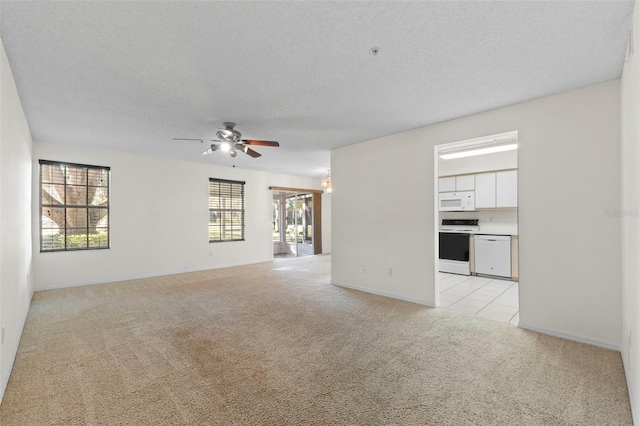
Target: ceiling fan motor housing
229 134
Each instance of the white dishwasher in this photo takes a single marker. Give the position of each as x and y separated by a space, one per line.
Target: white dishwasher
493 255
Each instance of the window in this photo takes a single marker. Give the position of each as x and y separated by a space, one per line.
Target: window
226 210
74 206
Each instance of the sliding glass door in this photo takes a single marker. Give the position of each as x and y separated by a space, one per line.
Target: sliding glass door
292 215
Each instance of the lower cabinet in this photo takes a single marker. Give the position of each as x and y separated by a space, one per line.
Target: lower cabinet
493 255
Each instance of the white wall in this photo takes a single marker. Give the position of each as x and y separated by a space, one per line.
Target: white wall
159 219
15 218
568 176
630 217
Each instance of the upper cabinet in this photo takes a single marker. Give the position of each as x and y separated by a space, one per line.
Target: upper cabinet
485 190
447 184
497 189
465 183
456 183
507 188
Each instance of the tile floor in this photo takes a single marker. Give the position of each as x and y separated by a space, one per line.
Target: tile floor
484 297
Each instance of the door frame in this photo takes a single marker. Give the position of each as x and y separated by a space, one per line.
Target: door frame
317 212
436 222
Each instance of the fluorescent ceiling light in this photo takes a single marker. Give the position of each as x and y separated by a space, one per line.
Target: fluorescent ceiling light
480 151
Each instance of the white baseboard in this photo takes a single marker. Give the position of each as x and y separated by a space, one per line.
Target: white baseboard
13 352
382 293
632 400
141 276
575 338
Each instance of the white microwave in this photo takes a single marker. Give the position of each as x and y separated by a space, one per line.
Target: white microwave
457 201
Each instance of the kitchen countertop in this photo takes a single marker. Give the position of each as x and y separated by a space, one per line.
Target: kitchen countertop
498 230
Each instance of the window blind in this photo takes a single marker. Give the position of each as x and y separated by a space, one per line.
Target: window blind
226 210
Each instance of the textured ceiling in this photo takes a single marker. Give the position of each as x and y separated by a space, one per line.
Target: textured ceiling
133 75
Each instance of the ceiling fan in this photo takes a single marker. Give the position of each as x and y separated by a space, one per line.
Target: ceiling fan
230 140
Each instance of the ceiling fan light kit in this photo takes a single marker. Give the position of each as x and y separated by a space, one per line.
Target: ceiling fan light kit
230 140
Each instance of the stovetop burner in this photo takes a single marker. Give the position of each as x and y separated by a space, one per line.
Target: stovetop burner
460 222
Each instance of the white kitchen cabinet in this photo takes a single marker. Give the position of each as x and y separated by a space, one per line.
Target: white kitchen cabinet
456 183
486 190
497 189
447 184
507 188
493 255
465 183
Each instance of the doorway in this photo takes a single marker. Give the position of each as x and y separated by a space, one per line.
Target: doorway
296 222
476 201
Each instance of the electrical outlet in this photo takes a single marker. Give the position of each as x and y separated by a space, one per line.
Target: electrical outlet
210 253
390 272
3 333
362 269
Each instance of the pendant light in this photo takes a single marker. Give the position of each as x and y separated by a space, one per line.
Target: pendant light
326 183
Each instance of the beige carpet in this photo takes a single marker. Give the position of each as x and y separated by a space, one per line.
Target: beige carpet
275 344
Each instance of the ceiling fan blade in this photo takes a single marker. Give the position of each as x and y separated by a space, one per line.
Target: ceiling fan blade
250 152
259 142
213 147
199 140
